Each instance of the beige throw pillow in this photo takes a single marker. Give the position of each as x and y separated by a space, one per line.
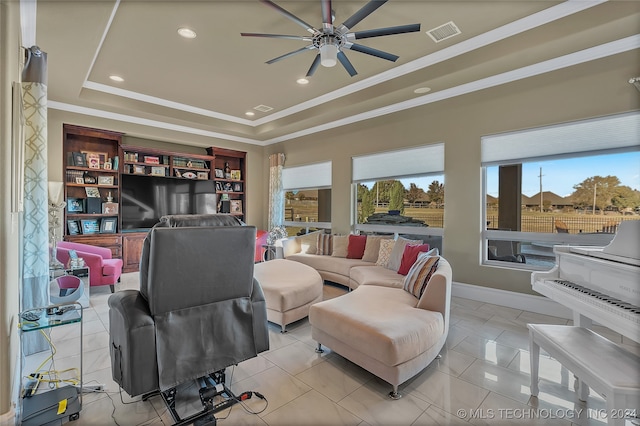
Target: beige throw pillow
396 254
340 245
386 246
372 248
309 242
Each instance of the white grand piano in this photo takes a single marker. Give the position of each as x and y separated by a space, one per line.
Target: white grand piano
599 284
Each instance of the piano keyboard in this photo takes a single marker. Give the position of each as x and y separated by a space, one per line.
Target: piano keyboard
605 298
604 310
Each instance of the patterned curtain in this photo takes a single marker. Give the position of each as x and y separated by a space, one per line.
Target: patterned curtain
35 220
276 194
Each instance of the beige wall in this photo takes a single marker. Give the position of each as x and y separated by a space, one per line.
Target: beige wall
566 95
9 344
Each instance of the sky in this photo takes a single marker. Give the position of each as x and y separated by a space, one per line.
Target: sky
559 176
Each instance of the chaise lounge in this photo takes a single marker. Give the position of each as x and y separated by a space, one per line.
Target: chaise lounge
388 331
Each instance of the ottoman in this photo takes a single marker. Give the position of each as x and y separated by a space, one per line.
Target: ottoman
290 288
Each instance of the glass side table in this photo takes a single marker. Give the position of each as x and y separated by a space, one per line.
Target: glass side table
271 252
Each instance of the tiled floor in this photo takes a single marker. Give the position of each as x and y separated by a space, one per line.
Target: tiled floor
482 378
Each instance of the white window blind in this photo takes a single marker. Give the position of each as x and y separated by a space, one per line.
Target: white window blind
393 164
316 175
616 133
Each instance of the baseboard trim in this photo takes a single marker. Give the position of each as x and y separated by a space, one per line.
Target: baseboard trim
511 299
8 418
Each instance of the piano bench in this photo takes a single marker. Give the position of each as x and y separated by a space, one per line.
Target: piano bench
609 369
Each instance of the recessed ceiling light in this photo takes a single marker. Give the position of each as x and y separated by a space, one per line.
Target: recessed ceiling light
187 32
421 90
116 78
250 113
302 81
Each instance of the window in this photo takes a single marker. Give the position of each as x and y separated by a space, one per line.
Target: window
567 184
401 192
307 197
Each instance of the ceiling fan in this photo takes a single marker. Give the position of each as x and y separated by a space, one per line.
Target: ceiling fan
332 41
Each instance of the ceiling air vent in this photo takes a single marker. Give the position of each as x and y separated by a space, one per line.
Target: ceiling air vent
444 32
263 108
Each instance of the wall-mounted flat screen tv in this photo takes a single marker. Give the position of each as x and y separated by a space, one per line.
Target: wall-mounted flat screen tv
147 198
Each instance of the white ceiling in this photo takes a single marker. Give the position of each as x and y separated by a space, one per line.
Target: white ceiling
206 85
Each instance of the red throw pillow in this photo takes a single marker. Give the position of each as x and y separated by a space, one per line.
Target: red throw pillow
409 257
355 249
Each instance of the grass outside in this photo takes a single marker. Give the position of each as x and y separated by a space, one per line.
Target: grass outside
532 221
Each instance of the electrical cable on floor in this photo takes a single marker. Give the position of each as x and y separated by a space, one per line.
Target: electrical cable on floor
242 403
54 376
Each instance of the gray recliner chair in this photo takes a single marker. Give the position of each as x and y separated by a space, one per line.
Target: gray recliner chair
198 311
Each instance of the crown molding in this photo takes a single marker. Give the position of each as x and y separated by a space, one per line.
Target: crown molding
582 56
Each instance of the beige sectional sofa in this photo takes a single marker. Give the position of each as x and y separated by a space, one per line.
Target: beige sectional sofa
380 326
348 272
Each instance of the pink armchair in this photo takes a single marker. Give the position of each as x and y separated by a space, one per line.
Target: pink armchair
103 270
261 239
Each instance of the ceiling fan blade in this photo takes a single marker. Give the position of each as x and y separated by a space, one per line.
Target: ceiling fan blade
290 15
373 52
292 37
346 63
400 29
314 66
327 20
366 10
286 55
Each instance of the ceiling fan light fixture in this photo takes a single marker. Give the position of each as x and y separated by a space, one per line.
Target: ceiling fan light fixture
329 52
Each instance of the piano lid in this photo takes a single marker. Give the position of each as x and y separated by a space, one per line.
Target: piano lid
625 246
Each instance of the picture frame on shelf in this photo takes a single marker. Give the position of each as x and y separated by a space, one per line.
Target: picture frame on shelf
80 180
109 208
203 175
73 227
108 225
92 192
94 160
75 205
157 171
236 206
138 170
218 186
105 180
236 175
237 187
227 187
219 173
79 159
90 226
